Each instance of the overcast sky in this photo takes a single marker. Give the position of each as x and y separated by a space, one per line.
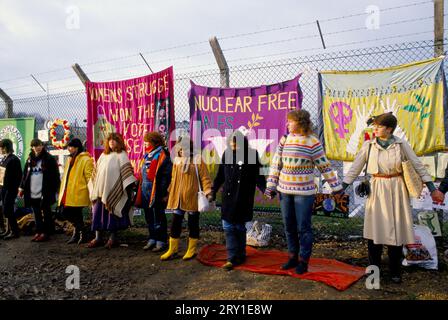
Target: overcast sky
41 36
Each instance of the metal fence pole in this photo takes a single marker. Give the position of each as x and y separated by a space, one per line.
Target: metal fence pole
438 27
221 61
80 73
8 103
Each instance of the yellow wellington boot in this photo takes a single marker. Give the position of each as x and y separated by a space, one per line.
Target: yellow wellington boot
172 250
191 252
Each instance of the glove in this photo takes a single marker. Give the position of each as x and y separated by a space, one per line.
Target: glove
211 197
270 193
437 196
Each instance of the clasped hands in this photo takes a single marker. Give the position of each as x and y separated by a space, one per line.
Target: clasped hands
270 193
437 196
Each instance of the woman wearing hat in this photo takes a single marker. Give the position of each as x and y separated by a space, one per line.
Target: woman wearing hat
73 193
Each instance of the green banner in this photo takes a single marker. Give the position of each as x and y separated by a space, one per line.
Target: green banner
20 132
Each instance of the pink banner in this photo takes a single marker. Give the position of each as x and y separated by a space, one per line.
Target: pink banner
131 107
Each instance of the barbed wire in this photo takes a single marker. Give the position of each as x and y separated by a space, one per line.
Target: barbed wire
318 36
261 57
222 38
322 20
308 59
242 47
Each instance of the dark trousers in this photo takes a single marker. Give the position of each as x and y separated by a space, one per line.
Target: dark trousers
394 253
42 216
157 225
74 215
2 218
8 201
193 224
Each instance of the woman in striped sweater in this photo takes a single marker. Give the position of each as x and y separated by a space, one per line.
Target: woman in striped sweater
292 175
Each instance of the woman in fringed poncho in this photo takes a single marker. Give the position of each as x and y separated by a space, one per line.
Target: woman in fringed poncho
111 191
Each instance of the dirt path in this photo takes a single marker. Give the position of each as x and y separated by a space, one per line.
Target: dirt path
37 271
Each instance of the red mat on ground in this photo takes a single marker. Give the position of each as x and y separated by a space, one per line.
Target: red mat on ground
331 272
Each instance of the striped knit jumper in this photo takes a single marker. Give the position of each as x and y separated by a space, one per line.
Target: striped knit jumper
292 168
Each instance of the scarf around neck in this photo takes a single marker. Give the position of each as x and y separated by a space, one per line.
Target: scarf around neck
151 160
385 143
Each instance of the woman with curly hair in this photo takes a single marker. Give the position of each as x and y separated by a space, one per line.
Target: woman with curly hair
111 191
154 177
292 175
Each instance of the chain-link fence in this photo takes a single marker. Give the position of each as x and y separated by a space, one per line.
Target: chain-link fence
72 106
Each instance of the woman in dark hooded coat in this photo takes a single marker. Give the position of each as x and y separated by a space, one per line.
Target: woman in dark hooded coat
239 174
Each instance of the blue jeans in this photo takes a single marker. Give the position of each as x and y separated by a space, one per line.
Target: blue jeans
296 212
235 241
157 225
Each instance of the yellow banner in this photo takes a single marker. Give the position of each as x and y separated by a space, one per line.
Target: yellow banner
413 93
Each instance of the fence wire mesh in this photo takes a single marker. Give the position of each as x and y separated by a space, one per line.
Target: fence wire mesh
72 106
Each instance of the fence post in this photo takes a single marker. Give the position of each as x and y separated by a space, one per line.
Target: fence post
8 103
80 73
146 62
221 61
438 27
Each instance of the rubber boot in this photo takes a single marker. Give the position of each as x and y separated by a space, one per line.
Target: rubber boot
374 251
172 250
395 255
191 251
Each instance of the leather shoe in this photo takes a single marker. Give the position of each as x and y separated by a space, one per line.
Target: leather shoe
302 267
94 243
111 244
35 237
291 263
228 266
396 279
41 238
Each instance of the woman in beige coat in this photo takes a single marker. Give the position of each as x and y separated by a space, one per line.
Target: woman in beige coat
388 216
183 196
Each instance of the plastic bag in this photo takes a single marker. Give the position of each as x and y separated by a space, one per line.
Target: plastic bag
258 234
203 204
423 252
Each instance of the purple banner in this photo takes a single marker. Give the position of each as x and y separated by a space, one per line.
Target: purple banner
131 107
259 112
